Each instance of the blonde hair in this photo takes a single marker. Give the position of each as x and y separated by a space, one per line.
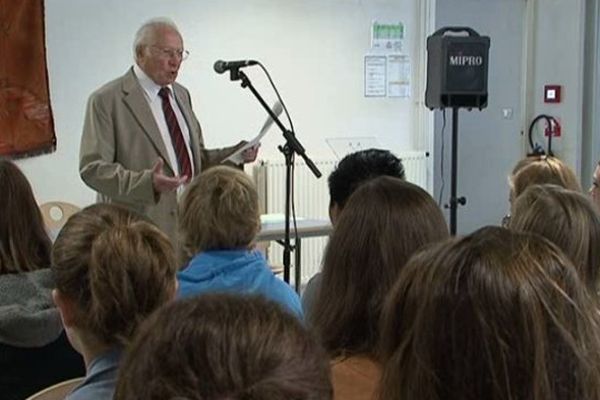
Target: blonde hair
117 267
495 315
567 218
524 162
542 170
219 211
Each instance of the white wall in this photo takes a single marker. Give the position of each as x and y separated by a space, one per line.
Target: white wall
556 56
314 50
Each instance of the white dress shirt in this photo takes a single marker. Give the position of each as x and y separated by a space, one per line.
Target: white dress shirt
151 90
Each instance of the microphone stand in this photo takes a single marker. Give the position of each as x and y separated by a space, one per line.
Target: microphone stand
291 146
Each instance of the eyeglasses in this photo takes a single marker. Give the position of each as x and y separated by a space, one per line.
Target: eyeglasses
167 52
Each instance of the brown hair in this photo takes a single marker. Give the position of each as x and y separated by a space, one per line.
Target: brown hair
224 346
219 211
24 243
544 170
567 218
495 315
116 266
383 223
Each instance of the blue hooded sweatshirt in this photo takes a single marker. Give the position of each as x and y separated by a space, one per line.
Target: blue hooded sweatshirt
236 271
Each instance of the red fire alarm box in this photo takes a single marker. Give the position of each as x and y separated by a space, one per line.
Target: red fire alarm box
552 94
553 128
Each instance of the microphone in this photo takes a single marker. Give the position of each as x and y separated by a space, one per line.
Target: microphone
222 66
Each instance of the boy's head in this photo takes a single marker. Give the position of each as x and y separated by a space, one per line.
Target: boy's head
356 168
219 210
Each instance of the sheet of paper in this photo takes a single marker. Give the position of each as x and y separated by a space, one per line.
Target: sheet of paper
387 36
237 156
375 76
398 75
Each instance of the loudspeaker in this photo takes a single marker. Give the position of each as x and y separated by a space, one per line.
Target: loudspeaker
457 69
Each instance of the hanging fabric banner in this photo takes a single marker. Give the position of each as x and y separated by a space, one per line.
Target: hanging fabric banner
26 123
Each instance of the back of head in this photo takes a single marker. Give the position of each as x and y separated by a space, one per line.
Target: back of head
384 222
222 346
495 315
358 167
24 243
545 170
116 267
524 162
567 218
219 211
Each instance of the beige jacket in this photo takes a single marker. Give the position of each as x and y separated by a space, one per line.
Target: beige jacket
121 143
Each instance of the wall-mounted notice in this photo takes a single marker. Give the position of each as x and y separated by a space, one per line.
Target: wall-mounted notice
398 76
375 76
387 37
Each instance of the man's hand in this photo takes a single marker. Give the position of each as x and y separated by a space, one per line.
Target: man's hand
163 183
249 155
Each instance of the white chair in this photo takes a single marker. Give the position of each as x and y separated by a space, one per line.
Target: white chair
56 214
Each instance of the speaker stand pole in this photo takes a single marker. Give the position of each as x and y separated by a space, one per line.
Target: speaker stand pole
454 200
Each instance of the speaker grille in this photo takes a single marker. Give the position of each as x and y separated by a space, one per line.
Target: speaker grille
466 63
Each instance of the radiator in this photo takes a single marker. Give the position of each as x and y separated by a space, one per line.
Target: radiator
311 198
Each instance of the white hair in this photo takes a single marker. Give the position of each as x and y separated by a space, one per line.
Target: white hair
144 33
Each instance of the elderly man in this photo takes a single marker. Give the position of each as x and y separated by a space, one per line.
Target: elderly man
141 141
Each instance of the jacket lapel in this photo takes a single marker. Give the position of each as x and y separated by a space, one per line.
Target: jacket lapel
138 105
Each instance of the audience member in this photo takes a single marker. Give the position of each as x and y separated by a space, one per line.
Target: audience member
567 218
495 315
224 346
219 219
383 223
112 269
34 350
543 170
594 189
539 170
524 162
357 168
352 171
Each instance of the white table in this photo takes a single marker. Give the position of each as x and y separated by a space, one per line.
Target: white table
306 228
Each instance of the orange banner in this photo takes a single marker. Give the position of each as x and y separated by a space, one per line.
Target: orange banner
26 124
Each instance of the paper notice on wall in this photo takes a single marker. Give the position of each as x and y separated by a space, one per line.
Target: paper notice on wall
398 76
387 37
375 76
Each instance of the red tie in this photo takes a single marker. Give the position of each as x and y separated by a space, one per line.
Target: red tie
181 152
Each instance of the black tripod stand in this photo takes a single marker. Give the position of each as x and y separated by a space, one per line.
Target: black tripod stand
457 70
291 147
454 200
